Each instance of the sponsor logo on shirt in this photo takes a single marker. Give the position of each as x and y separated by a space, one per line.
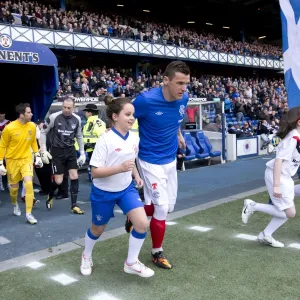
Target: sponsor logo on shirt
118 149
159 113
154 186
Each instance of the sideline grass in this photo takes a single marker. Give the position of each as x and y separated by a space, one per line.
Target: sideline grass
211 265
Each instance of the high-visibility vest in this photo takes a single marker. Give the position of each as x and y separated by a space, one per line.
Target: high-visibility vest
91 131
135 127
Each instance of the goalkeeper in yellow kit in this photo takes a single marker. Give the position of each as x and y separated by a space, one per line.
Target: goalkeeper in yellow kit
18 140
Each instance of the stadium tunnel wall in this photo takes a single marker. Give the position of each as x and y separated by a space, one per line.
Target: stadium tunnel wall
28 74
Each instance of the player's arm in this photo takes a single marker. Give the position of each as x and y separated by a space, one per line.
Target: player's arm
140 106
45 155
98 161
45 130
136 176
37 155
79 138
4 141
181 141
284 152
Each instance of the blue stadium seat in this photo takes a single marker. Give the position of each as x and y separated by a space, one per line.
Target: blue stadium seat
233 119
190 151
200 153
200 142
209 146
235 123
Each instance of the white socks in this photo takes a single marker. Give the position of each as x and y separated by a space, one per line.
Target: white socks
90 241
279 217
136 241
274 225
270 210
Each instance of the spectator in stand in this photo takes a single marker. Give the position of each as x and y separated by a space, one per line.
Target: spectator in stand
108 24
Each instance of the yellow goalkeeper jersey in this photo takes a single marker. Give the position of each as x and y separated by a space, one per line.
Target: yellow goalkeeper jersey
18 140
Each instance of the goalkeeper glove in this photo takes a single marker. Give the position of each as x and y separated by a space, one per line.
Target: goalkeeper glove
46 156
81 159
3 171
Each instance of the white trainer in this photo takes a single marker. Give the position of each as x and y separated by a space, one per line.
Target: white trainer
31 219
248 210
86 265
17 211
269 240
138 269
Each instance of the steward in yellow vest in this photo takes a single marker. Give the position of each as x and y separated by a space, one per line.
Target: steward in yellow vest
93 128
135 127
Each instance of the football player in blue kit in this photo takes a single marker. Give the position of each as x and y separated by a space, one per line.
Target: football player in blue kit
160 113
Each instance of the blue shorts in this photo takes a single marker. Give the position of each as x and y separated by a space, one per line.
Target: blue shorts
103 203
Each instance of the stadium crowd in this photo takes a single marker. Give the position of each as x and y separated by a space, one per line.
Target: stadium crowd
38 15
247 101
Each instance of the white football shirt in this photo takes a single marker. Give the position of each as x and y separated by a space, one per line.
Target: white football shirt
112 149
289 151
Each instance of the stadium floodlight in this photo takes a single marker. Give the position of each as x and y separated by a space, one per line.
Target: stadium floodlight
226 27
191 22
209 24
120 5
146 10
262 37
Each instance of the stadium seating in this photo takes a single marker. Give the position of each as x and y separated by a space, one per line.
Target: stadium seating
190 150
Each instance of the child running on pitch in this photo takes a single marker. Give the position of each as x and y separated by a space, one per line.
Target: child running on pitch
112 168
278 178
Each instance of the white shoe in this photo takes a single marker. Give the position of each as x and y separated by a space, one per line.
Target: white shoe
138 269
17 211
31 219
248 210
86 265
269 240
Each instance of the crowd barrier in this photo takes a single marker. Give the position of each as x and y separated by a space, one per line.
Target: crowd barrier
80 41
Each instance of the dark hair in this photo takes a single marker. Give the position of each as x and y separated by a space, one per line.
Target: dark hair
288 122
115 105
21 108
176 66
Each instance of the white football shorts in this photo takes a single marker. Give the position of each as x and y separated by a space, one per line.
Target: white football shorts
160 182
286 187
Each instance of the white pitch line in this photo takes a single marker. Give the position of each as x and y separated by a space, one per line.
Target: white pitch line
171 223
81 202
4 240
246 237
35 265
63 279
294 245
200 228
103 296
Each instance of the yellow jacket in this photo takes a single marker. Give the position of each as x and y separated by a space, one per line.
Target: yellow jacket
91 131
135 127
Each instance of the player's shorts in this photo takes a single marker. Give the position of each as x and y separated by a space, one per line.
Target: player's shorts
17 169
103 203
160 182
63 159
286 187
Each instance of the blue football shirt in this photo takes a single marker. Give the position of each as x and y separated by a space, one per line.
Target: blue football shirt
159 121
